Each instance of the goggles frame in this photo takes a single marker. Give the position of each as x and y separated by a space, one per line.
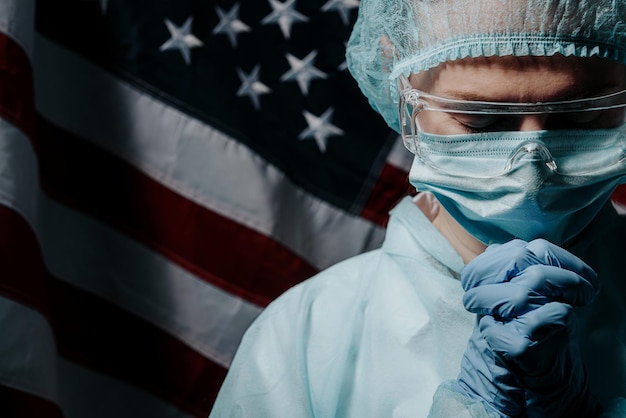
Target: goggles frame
426 101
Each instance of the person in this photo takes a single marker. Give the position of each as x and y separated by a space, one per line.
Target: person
499 290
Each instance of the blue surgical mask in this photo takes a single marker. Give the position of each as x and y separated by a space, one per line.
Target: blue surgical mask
538 184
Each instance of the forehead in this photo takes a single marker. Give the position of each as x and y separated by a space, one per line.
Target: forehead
522 78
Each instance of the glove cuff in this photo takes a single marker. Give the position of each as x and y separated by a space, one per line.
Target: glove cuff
451 400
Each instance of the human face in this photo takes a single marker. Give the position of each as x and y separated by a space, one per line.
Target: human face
523 80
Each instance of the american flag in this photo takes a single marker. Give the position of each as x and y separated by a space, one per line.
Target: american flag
168 168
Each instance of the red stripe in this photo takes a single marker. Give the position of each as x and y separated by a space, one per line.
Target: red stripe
17 404
619 195
16 86
217 249
98 334
392 185
73 171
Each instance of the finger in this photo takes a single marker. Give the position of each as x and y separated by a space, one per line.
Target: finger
503 300
503 338
501 263
535 286
556 284
543 328
543 323
553 255
498 264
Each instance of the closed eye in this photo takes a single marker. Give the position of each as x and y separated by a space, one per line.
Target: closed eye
484 123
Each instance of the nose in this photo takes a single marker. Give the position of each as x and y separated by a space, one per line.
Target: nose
532 122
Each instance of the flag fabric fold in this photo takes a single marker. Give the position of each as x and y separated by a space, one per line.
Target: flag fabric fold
167 169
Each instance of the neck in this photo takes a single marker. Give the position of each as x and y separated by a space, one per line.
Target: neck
465 244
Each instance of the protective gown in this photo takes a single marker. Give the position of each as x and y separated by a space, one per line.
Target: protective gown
378 334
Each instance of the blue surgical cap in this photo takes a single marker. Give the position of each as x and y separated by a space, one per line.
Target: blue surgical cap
393 37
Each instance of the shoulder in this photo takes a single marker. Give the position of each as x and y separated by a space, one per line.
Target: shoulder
329 307
336 289
303 327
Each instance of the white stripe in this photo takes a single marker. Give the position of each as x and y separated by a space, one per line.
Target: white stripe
17 19
192 158
619 207
30 364
98 259
399 156
84 393
27 350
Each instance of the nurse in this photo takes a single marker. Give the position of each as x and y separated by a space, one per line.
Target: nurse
499 290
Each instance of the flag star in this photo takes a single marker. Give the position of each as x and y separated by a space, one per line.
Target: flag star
344 65
320 128
103 6
251 86
343 8
302 71
181 39
230 24
285 15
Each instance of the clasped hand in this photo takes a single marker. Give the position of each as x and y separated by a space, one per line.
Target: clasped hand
520 359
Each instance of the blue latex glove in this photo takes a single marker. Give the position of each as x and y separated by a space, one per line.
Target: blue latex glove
538 349
524 293
485 377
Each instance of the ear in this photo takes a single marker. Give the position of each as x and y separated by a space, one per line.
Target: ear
387 51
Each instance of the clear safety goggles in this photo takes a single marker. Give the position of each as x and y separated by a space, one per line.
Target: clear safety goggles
438 151
420 100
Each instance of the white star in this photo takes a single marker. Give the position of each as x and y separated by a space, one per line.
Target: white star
344 65
285 15
103 6
251 86
342 7
230 24
320 128
302 71
181 38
